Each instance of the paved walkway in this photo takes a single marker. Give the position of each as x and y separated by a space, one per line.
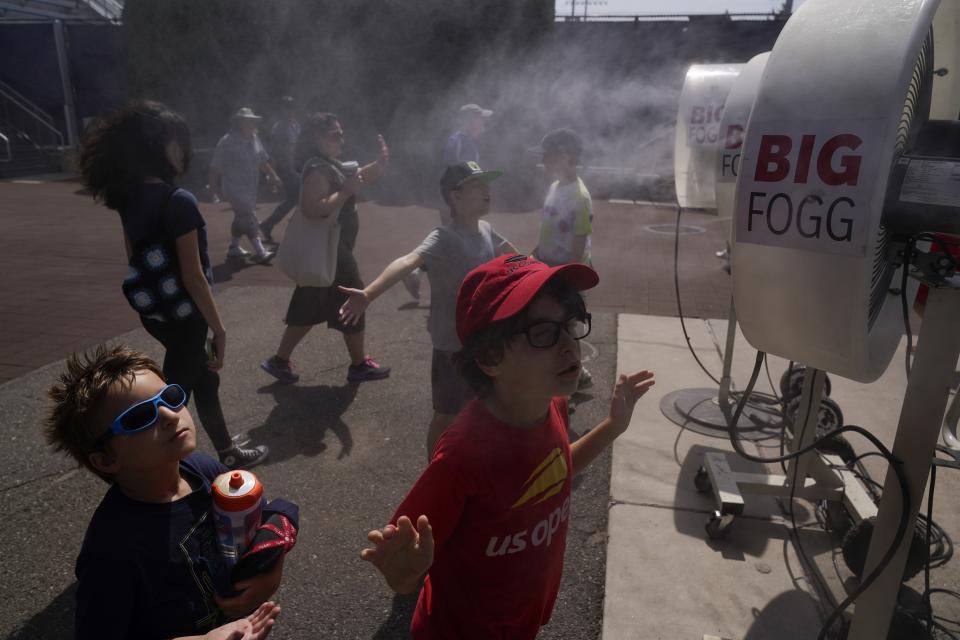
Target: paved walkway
347 457
63 263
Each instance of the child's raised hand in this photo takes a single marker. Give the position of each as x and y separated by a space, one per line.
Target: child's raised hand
401 553
254 592
357 302
626 392
256 626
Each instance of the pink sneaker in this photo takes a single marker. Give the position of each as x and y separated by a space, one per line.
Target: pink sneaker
367 370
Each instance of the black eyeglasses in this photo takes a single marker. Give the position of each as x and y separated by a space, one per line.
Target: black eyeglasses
546 333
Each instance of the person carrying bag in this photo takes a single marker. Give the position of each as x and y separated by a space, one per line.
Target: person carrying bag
308 253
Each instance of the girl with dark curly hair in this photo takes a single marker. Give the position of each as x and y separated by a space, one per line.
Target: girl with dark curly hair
129 160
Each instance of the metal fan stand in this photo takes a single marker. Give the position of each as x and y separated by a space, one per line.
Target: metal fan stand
938 347
819 476
714 408
924 405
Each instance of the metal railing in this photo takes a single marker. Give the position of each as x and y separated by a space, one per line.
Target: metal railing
109 9
6 144
28 119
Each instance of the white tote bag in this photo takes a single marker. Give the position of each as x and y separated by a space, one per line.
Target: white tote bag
308 253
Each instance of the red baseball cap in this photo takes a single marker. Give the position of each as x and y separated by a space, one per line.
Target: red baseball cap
502 287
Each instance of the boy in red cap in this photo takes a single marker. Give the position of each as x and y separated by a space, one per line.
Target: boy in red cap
492 507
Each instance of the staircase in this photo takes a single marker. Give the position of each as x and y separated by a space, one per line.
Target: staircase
20 156
30 143
66 10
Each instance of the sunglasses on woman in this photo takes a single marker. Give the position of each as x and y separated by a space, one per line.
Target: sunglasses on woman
145 414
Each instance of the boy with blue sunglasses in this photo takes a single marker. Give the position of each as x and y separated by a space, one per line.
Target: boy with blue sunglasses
150 565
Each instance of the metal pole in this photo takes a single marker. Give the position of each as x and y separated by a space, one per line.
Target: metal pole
938 347
69 107
724 396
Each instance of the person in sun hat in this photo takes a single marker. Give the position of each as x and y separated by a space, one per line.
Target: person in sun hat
484 527
235 170
449 252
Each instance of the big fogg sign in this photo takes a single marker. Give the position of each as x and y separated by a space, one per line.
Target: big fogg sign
807 186
703 123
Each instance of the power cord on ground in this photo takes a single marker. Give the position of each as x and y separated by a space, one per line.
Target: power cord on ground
894 463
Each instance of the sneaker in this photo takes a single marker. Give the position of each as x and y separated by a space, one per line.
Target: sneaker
239 458
265 258
279 369
585 381
367 370
411 282
723 255
237 252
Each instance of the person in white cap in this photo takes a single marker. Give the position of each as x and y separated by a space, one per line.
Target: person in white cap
462 144
235 176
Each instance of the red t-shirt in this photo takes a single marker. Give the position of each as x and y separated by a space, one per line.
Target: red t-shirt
498 498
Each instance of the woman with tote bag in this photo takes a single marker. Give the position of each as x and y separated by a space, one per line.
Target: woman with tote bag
327 213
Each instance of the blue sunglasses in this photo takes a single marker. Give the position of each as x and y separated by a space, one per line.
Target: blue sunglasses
144 414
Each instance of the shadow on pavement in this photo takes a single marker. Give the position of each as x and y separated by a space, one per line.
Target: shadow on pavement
301 417
224 271
55 621
788 610
397 624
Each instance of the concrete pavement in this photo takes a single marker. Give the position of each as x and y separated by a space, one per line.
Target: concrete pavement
665 579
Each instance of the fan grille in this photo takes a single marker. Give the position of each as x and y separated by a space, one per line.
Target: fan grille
916 111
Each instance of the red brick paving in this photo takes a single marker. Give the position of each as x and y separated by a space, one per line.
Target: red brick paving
63 262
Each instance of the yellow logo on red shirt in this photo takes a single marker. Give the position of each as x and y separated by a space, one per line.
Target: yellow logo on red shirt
546 480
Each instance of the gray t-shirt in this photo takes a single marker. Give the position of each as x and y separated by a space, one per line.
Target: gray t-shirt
449 253
238 160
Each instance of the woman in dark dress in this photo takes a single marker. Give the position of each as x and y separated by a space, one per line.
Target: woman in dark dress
129 161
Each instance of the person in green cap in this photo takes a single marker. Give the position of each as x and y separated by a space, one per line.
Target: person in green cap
449 253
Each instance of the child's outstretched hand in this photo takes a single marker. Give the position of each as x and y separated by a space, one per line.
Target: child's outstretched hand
255 626
401 553
626 392
357 302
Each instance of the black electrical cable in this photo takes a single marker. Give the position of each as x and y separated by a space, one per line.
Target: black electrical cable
928 591
894 463
903 303
802 554
758 398
676 288
927 607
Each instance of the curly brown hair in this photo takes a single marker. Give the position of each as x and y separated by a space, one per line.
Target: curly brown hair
128 145
79 393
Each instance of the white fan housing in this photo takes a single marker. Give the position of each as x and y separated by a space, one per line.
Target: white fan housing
702 100
812 279
733 126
